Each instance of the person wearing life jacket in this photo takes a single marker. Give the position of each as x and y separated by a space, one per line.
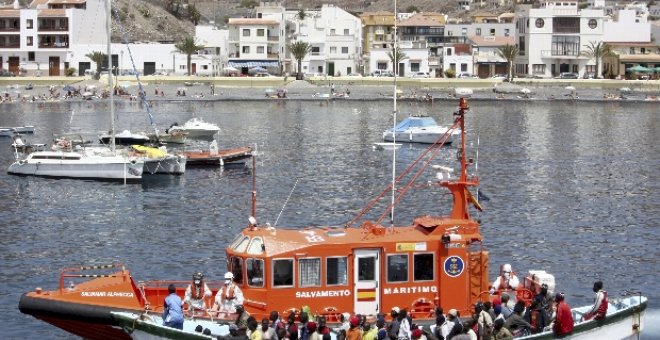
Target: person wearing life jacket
599 310
229 296
196 292
507 280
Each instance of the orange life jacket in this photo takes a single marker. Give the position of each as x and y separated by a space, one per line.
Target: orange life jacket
195 293
228 293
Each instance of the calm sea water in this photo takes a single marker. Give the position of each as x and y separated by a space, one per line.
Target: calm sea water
573 187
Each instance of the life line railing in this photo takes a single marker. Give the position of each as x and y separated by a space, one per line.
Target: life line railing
67 273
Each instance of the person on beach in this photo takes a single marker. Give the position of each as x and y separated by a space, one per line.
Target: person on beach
173 313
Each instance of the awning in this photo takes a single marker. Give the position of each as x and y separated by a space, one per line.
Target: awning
239 64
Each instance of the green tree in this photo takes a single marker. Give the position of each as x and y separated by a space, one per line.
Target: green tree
411 9
194 14
301 15
596 51
299 49
396 56
249 4
188 46
508 52
98 58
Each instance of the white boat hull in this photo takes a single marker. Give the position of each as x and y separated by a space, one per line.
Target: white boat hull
66 164
151 327
418 136
170 165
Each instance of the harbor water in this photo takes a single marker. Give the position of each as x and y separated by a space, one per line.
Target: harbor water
573 188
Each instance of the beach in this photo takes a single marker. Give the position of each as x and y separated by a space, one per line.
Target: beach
351 88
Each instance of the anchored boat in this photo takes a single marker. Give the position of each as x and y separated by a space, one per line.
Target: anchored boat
435 261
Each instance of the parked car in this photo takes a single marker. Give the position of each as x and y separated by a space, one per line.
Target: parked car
263 74
568 75
5 73
499 77
354 75
466 76
421 75
382 73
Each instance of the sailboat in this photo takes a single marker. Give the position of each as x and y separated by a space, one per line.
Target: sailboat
80 161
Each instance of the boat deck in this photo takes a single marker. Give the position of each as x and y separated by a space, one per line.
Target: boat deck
222 157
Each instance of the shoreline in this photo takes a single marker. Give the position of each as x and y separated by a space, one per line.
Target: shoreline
319 89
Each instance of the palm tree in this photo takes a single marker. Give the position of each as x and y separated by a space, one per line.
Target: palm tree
396 56
188 46
301 15
508 52
596 51
98 58
299 49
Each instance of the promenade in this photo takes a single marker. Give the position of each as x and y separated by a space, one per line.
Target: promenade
360 88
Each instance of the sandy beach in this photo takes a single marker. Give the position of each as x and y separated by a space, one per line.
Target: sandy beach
346 88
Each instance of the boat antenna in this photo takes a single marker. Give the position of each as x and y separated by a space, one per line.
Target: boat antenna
108 25
395 61
254 182
287 201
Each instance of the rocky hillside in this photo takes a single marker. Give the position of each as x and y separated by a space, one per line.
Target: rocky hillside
172 20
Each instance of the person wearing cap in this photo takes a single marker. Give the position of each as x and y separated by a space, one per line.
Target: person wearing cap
173 309
417 334
452 325
354 332
196 292
229 296
311 330
599 310
564 318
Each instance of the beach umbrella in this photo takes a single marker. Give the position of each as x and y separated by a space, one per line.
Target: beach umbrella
525 90
230 69
639 69
69 88
657 69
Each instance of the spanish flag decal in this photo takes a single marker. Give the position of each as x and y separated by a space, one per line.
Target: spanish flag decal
366 294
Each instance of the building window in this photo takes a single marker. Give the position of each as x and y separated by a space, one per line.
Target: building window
336 271
521 46
260 49
506 32
316 50
478 31
381 66
448 52
309 271
593 23
332 31
632 50
540 23
590 69
30 56
346 31
464 31
464 68
538 68
261 32
344 50
450 33
452 66
642 50
29 23
333 49
492 32
29 41
255 272
246 49
246 32
397 268
283 273
423 267
565 45
414 67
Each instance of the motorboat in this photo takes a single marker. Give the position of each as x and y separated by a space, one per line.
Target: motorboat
6 131
362 266
150 326
420 129
80 163
125 137
169 137
159 161
463 92
196 128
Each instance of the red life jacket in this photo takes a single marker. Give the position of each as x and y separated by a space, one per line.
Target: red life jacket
602 309
533 319
228 293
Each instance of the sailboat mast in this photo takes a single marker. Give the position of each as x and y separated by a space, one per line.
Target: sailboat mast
108 24
394 69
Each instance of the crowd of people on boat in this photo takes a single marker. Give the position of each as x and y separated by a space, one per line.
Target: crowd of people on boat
495 319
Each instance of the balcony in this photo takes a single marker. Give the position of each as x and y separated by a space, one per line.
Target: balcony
568 54
53 25
10 44
274 39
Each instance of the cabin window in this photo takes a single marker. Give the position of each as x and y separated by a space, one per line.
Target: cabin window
336 271
256 246
309 271
283 273
240 241
397 268
255 272
366 267
423 267
237 269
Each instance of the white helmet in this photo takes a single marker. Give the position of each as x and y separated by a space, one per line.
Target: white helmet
229 276
506 268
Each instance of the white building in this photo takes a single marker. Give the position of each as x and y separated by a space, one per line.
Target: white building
215 42
335 37
551 38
